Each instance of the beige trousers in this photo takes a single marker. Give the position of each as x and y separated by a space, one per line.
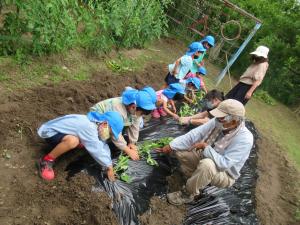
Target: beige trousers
201 172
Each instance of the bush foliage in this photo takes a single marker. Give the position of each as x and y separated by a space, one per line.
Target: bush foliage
41 27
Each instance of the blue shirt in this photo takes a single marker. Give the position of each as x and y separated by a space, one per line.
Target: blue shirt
186 63
81 127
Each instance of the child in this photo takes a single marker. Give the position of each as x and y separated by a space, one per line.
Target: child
132 105
200 74
191 85
197 61
212 100
68 132
181 66
167 96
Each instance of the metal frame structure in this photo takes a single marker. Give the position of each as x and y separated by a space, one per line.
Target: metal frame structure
240 49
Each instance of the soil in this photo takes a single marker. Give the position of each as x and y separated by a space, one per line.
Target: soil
278 185
162 213
26 199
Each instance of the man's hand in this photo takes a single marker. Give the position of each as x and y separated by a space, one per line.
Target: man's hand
185 120
132 153
248 95
166 149
111 174
199 145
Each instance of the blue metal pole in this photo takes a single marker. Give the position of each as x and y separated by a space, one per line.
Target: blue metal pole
239 51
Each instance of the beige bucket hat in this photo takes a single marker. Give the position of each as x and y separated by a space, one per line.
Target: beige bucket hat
261 51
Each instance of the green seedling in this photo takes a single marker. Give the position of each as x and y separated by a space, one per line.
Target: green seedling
144 151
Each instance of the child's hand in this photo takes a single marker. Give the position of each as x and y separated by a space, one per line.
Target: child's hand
176 117
185 120
133 154
111 174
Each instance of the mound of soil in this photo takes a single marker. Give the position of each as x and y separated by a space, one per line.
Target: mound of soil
24 197
162 213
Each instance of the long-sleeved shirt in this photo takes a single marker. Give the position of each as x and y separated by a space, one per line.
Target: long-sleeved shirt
131 122
231 159
81 127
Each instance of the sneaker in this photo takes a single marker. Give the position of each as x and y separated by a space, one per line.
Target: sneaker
45 169
155 113
179 198
80 146
162 112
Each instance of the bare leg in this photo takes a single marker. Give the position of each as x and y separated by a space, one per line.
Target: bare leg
68 143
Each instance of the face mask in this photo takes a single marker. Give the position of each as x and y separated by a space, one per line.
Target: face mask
132 111
209 105
104 133
196 56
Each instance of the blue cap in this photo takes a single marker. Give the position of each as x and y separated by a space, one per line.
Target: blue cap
152 93
195 80
209 39
173 89
195 47
114 120
129 96
145 100
202 70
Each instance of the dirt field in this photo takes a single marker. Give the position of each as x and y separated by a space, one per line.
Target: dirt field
26 199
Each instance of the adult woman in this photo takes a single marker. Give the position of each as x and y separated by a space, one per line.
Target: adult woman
252 77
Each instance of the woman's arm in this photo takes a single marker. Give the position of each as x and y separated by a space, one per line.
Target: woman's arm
252 89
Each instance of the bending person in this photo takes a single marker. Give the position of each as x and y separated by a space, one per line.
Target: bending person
132 105
213 153
91 130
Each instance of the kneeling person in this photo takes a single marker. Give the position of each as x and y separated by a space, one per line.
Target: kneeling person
91 130
213 153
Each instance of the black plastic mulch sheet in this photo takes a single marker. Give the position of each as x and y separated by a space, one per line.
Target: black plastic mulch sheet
233 205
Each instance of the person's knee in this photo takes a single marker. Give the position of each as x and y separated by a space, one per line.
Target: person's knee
71 141
207 165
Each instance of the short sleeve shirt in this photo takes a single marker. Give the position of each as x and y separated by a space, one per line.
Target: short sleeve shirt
186 63
255 72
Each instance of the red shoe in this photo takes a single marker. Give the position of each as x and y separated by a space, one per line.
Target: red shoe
45 169
162 112
80 146
155 114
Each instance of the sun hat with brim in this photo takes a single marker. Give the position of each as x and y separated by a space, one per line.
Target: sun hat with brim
194 80
144 100
229 107
129 96
151 92
202 70
113 119
195 47
210 40
261 51
173 89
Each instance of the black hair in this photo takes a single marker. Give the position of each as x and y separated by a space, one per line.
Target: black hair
258 59
144 111
178 96
215 94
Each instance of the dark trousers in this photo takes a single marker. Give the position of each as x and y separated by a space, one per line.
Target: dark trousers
238 92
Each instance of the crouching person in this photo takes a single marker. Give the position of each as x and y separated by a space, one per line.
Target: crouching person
91 130
213 153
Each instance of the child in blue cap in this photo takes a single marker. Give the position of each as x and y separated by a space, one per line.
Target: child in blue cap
199 74
67 132
131 105
183 65
165 97
191 85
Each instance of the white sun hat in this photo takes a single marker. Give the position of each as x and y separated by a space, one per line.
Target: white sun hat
261 51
